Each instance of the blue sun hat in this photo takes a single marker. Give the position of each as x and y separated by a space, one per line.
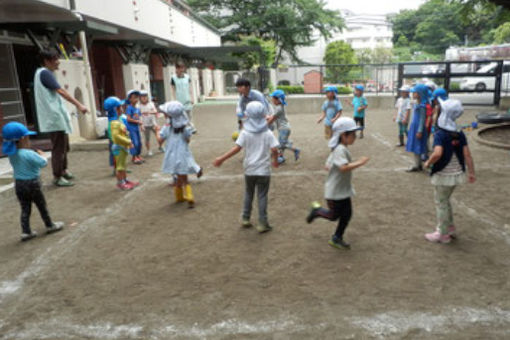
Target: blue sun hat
360 87
110 104
175 111
255 118
280 95
333 89
11 133
440 93
423 91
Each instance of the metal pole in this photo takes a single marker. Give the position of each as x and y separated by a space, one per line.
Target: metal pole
497 89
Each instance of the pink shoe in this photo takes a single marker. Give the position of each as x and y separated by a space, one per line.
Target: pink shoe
124 186
437 237
452 232
132 184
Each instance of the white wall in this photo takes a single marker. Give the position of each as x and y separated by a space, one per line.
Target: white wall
219 83
195 82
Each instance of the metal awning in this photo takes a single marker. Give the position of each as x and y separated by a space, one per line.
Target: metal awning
12 11
91 27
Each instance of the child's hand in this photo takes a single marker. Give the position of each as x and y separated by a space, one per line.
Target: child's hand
40 152
320 120
217 162
471 178
364 160
275 164
142 128
131 146
419 135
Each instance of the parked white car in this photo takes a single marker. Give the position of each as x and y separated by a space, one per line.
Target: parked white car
487 83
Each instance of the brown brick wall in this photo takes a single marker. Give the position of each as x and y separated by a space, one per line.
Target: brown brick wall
313 82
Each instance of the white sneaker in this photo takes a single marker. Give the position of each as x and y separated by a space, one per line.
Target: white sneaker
26 237
57 226
149 153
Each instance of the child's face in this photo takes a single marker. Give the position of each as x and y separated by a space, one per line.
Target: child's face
416 95
405 94
330 95
275 100
180 70
358 93
24 143
144 99
118 109
243 90
133 99
348 138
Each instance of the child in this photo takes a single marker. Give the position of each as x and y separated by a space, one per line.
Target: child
178 158
417 134
27 166
439 93
338 189
282 125
360 104
331 110
403 113
121 143
260 146
449 159
133 125
149 124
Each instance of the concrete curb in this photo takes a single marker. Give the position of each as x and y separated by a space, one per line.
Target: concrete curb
483 141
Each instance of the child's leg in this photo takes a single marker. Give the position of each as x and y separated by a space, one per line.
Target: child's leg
147 135
345 210
249 191
262 184
332 214
40 202
25 201
328 132
443 207
417 161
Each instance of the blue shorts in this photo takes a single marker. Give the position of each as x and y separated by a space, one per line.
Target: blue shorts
283 138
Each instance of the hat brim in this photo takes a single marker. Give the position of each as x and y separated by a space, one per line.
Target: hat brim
334 140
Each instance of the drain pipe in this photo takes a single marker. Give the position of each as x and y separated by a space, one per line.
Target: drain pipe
88 77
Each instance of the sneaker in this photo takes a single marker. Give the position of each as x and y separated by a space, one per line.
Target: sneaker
194 131
200 173
161 149
452 231
149 154
436 236
26 237
264 228
68 175
57 226
137 161
313 212
297 153
281 159
62 182
124 186
338 243
132 184
415 169
246 224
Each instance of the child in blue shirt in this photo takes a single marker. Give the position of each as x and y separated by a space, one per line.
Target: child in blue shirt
331 111
360 104
27 166
134 121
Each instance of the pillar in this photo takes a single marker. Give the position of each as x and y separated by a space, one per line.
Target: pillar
136 77
219 83
207 81
168 72
195 82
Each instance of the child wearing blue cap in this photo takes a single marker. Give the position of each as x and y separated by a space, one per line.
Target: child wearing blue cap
331 110
27 165
418 134
282 124
359 103
134 122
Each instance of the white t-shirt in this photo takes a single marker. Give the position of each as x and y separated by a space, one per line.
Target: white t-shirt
402 105
338 184
257 152
148 119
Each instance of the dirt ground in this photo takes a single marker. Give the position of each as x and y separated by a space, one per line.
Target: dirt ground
137 266
499 135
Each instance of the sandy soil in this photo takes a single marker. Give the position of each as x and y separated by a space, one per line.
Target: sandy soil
137 266
499 135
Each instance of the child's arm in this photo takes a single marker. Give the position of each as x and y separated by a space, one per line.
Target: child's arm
219 161
406 116
274 156
421 124
321 118
354 165
470 164
338 114
435 156
39 160
271 119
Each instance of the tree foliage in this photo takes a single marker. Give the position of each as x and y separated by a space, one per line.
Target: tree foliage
289 24
339 53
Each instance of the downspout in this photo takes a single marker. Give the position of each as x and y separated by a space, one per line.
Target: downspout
88 77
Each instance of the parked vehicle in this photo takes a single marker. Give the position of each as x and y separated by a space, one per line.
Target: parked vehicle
484 83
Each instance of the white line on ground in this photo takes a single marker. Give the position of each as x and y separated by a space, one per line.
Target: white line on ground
378 137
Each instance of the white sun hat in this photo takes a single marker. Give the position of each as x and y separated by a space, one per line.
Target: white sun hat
451 109
341 125
175 111
255 117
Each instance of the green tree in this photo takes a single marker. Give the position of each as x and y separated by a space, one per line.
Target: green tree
339 52
501 34
288 23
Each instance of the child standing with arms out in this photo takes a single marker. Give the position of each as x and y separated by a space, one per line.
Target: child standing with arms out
120 144
27 166
338 188
403 113
149 124
417 135
282 124
260 146
178 158
331 110
134 122
449 160
359 102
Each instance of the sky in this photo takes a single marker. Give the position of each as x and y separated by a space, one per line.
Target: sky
374 6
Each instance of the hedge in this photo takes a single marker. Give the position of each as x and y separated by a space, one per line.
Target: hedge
289 89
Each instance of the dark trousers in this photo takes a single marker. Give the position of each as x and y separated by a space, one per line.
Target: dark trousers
29 191
59 150
261 183
338 210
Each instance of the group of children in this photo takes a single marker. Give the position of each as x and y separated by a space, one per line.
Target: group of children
448 161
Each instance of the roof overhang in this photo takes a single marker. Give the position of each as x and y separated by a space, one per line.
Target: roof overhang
91 27
18 11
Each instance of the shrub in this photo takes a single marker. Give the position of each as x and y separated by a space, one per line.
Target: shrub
455 86
289 89
344 90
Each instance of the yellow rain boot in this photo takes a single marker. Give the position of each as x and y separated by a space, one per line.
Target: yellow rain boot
188 196
179 194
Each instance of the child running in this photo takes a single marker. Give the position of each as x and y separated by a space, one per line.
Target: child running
282 124
360 104
27 165
149 123
417 134
134 122
331 110
338 188
403 113
178 159
260 146
121 143
449 159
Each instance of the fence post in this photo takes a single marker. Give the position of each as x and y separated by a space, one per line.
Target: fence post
400 76
447 77
377 80
321 78
497 88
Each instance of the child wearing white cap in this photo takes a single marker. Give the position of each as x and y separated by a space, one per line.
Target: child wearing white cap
449 159
260 145
403 113
149 123
338 188
178 159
